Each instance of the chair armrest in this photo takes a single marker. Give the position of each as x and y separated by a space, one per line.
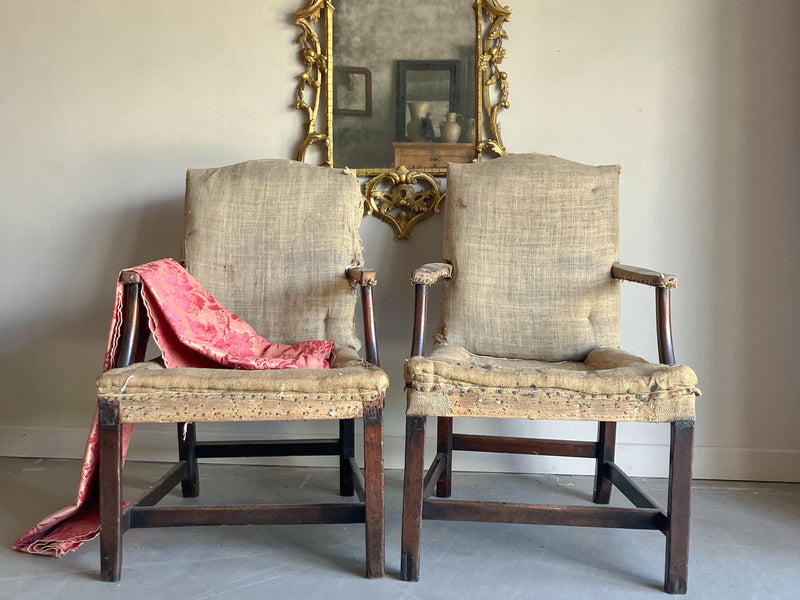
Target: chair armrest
359 276
422 278
366 279
133 331
645 276
663 282
129 277
431 273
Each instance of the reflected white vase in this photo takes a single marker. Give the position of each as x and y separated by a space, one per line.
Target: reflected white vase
418 110
450 128
468 135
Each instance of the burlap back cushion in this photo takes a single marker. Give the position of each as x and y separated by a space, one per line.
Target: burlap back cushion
532 239
271 240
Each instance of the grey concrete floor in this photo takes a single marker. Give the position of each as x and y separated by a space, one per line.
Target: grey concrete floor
745 543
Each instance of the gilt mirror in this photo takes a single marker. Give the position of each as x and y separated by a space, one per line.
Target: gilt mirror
394 90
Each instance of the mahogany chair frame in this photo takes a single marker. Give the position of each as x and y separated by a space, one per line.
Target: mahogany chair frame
115 519
646 514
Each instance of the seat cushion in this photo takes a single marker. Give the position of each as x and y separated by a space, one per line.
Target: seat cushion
150 393
610 385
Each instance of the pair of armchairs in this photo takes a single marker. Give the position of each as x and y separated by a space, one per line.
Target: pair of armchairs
529 329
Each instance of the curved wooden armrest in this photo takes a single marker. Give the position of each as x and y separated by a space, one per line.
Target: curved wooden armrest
422 278
366 279
133 329
645 276
359 276
431 273
129 277
663 282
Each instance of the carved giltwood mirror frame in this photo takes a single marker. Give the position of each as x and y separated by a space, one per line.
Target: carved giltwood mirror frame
403 194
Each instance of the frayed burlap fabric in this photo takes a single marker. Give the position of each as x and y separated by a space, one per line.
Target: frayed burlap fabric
271 240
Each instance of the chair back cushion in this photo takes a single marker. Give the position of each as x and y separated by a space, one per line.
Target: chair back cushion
271 240
532 239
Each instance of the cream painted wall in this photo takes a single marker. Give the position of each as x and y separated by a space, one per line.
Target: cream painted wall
106 103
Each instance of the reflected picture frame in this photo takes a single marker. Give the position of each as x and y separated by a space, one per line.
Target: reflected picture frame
406 67
352 91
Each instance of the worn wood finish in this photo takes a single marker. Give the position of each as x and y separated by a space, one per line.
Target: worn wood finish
131 345
678 507
258 514
346 450
243 448
360 276
645 276
606 440
370 337
543 514
444 446
434 473
412 498
420 318
629 488
110 473
430 273
187 452
517 445
666 352
128 342
162 487
373 483
359 486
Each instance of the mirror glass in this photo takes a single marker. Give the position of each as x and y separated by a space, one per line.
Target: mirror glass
404 83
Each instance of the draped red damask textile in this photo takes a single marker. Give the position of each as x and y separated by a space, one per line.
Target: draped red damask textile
191 329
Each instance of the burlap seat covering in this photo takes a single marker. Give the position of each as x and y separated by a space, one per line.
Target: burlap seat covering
150 393
610 385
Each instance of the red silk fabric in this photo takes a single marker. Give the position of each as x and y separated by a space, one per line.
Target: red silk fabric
192 330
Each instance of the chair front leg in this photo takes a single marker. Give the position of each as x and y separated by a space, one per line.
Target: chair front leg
678 509
373 491
110 486
606 441
412 498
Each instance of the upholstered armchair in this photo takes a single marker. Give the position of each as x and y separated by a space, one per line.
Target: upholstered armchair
530 329
276 242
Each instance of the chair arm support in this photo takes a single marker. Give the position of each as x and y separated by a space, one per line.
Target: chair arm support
431 273
134 331
663 283
645 276
422 278
359 276
366 279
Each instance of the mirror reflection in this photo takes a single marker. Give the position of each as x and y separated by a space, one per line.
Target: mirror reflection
404 83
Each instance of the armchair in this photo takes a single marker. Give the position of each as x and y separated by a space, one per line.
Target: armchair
277 243
529 328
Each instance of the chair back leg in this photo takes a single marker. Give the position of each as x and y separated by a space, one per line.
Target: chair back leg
347 442
444 445
606 442
187 451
